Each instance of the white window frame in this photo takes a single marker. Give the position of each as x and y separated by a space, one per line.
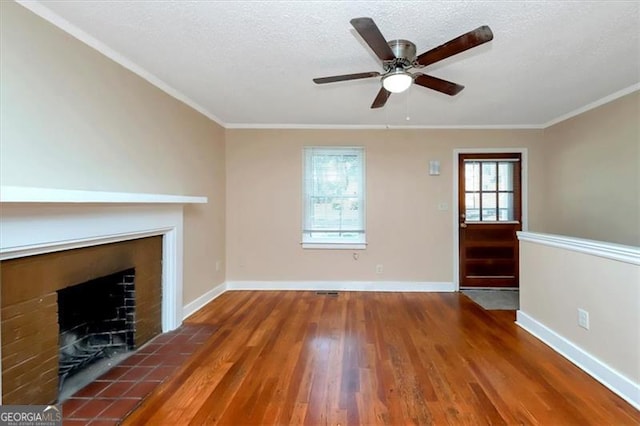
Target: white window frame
345 243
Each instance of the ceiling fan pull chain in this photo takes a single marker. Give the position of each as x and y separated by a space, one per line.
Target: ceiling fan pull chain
406 106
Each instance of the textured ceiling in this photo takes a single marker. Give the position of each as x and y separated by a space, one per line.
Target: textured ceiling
252 63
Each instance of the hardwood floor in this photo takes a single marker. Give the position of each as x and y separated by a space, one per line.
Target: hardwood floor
374 358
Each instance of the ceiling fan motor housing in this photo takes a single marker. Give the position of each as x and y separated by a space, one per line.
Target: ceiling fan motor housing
405 53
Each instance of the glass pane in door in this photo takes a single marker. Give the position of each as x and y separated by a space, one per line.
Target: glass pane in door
472 204
505 206
489 206
472 176
489 176
505 176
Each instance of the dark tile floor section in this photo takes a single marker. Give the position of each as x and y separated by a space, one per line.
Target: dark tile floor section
109 399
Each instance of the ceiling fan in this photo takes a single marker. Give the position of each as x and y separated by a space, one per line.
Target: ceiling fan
399 56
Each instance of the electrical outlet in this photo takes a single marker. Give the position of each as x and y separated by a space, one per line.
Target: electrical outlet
379 268
583 319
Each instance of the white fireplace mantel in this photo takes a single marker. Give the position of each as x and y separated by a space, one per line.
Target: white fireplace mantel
24 194
38 220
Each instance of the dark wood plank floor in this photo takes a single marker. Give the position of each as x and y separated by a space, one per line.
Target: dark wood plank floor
374 358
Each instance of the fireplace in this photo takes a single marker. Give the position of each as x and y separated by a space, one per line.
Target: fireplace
90 303
42 221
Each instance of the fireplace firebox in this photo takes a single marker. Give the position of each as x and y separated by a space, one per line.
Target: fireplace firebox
96 320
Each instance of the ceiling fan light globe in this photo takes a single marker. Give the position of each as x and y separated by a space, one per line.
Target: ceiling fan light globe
397 82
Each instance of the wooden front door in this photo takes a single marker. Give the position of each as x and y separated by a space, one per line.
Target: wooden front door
490 214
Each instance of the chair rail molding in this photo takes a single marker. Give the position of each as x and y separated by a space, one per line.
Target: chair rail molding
619 252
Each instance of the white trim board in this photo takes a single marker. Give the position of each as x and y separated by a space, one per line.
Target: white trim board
593 105
285 126
197 304
619 252
26 194
612 379
396 286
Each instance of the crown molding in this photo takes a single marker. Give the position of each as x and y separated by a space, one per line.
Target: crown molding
42 11
266 126
66 26
595 104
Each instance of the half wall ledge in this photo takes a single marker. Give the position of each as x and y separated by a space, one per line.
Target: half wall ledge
613 251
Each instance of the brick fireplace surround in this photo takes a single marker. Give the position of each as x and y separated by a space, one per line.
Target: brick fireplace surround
30 312
82 235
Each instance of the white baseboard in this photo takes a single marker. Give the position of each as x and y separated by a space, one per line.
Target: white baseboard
618 383
191 307
400 286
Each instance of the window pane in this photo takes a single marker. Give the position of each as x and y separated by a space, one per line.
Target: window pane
334 199
472 207
472 176
505 176
505 202
335 214
489 207
489 176
335 174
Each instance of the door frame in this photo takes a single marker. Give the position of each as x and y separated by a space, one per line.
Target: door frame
524 170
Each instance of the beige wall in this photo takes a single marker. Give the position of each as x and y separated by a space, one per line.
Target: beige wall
71 118
406 232
555 282
593 174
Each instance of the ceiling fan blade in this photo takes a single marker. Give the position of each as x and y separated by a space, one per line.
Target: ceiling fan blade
345 77
369 31
381 98
459 44
435 83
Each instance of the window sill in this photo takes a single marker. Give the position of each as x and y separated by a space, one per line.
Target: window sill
492 222
334 246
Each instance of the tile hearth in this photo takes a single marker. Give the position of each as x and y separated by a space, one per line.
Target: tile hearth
110 398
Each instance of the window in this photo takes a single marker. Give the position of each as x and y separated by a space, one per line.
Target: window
489 189
334 198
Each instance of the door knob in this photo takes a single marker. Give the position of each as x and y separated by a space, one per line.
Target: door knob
463 225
